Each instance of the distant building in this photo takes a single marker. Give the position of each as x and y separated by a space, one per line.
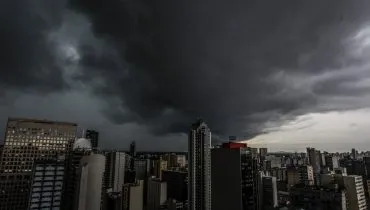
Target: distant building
171 159
306 175
157 193
142 169
175 205
47 184
234 177
181 161
132 197
332 162
116 165
159 166
177 184
93 136
263 153
199 194
354 153
314 159
311 198
34 140
91 182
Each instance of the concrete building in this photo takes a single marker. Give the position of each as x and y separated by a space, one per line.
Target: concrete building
355 192
234 177
132 197
269 193
306 175
175 205
91 182
199 194
314 159
27 140
157 193
47 184
332 162
116 165
279 173
311 198
177 184
72 173
353 185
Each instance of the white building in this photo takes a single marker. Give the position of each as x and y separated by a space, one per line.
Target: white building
132 196
157 193
91 182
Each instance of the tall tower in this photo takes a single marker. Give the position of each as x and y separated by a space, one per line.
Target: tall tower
199 193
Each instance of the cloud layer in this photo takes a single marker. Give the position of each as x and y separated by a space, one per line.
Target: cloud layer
243 66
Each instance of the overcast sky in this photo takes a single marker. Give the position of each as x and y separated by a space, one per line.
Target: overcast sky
286 74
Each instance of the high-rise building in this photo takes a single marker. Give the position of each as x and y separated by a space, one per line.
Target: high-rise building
199 193
353 185
314 159
354 153
263 153
47 184
332 162
132 197
355 192
27 140
90 186
115 167
133 155
234 177
306 175
159 166
157 193
93 136
72 174
269 193
177 184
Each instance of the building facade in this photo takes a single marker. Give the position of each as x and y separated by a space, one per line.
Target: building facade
199 194
177 184
234 178
47 184
156 193
27 140
90 184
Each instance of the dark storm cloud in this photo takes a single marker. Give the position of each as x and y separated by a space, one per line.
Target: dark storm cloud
165 63
27 61
215 60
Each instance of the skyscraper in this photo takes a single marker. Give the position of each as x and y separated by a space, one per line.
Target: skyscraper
234 177
27 140
199 193
94 138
